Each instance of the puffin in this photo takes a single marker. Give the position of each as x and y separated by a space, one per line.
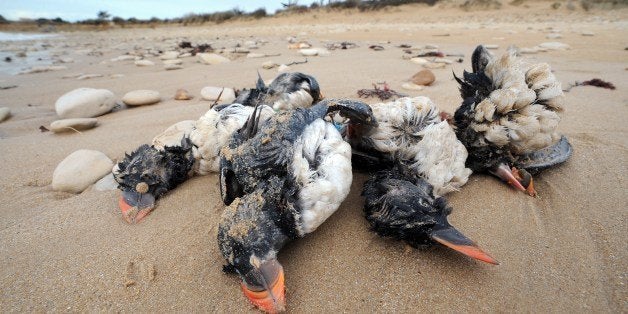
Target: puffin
280 180
287 91
411 131
185 149
151 170
508 118
400 205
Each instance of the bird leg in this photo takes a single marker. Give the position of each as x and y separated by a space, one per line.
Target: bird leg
525 178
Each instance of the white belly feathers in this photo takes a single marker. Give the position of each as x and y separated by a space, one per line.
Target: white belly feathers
322 169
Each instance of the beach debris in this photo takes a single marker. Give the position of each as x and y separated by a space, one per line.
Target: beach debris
376 47
431 54
593 82
107 183
383 93
195 49
404 46
182 94
43 129
85 103
80 170
141 97
75 124
8 59
341 45
144 63
5 113
8 87
423 77
212 58
222 94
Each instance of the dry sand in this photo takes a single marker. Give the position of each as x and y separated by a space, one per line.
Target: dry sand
562 252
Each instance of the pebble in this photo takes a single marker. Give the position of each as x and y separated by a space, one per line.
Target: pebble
419 61
182 94
423 77
40 69
211 93
78 124
144 63
527 50
433 65
442 60
554 45
141 97
301 45
173 61
185 55
173 135
170 67
66 60
115 76
107 183
587 33
269 65
5 113
412 86
491 46
283 68
255 55
123 58
169 55
85 103
553 36
323 52
309 52
212 58
79 170
431 46
88 76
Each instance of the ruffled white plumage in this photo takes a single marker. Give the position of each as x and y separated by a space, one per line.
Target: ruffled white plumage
411 130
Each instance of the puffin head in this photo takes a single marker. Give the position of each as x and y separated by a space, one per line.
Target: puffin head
403 206
249 239
148 173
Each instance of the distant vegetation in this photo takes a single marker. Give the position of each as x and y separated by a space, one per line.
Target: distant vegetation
105 20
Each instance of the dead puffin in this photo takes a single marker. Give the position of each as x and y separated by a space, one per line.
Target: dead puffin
410 130
400 205
184 149
280 180
286 91
508 118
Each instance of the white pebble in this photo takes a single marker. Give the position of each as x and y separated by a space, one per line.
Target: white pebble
85 103
78 124
79 170
141 97
211 93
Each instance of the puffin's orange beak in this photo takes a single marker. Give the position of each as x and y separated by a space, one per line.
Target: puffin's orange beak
140 206
453 239
505 173
273 298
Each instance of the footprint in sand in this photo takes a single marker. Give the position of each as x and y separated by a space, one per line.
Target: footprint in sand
138 275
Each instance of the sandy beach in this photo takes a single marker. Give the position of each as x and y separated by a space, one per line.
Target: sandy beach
564 251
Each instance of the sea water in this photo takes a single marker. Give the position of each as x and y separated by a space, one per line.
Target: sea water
12 43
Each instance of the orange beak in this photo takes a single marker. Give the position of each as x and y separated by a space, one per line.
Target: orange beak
505 173
273 298
453 239
135 213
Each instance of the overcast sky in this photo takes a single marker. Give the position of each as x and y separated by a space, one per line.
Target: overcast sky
73 10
